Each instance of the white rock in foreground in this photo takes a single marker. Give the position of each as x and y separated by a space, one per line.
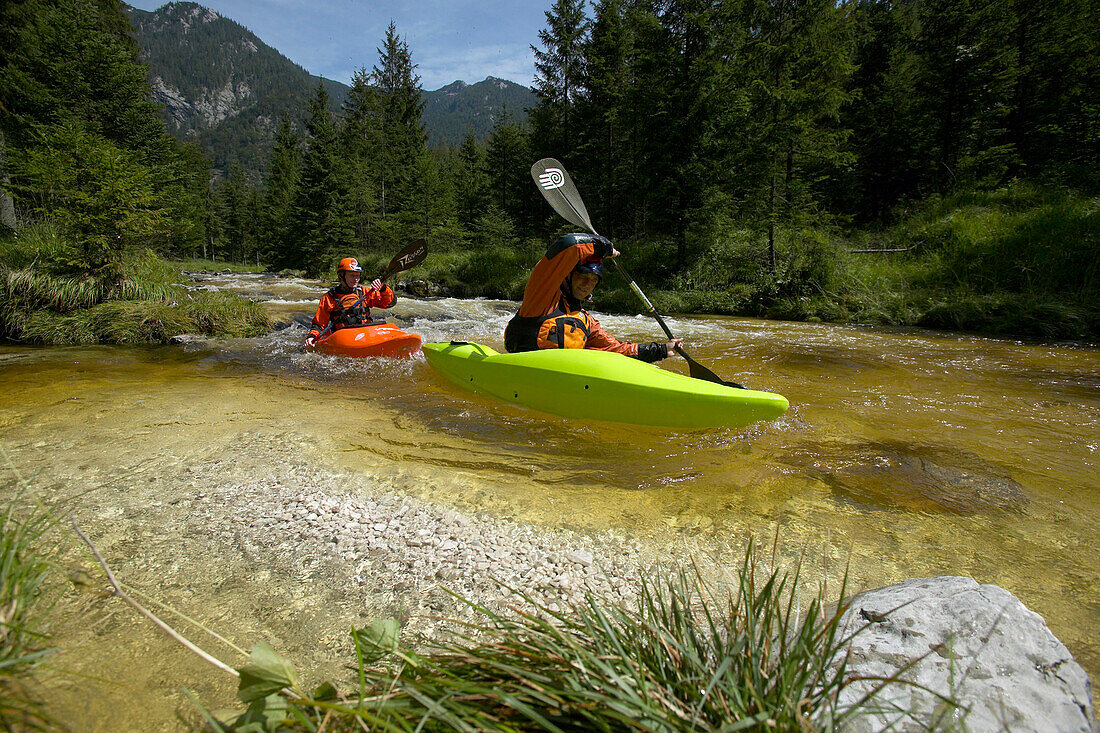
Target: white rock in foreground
978 645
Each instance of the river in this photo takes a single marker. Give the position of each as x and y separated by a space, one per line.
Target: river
904 454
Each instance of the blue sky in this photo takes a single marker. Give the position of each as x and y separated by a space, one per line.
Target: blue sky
449 39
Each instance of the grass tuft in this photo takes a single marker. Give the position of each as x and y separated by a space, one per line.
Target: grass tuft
686 656
24 570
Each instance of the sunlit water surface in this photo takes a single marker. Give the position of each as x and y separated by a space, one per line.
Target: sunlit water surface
906 453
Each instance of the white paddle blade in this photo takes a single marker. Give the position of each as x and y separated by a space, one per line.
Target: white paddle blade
560 192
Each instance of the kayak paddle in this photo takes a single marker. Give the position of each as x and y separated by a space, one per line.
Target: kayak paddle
406 259
561 193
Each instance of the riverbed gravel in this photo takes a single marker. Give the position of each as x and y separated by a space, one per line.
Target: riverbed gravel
403 552
268 542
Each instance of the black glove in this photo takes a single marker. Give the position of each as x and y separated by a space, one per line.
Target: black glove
604 247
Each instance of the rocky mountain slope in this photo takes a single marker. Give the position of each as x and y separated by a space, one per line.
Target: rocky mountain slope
224 88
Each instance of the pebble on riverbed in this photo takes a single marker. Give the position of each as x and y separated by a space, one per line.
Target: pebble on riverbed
396 549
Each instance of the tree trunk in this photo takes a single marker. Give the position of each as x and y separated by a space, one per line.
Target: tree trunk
771 224
7 205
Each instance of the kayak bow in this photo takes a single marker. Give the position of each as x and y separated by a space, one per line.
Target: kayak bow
372 339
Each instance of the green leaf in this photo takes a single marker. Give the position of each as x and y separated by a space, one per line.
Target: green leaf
326 692
266 673
266 715
377 640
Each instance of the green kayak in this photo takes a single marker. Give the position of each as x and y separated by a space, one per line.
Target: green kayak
601 385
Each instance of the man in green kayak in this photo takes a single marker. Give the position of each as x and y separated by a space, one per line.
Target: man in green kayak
552 315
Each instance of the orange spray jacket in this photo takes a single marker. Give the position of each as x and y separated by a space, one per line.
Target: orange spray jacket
343 307
550 318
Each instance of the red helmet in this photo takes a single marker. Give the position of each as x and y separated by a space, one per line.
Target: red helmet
348 264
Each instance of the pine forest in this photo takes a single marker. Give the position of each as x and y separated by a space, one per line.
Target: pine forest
916 162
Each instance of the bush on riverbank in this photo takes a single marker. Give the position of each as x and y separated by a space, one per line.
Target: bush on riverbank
1017 261
496 271
685 657
138 299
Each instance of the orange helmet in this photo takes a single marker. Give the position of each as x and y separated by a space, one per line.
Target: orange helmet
348 264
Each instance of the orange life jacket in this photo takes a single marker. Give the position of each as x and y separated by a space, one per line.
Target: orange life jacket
562 328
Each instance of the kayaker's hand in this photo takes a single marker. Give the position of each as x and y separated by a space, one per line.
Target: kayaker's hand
614 253
376 284
603 245
673 345
310 343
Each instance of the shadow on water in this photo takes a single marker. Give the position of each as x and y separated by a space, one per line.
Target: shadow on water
892 475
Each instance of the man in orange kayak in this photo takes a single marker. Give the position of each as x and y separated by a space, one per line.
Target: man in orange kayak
347 304
552 316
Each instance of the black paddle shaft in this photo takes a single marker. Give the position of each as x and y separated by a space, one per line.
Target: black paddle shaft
561 193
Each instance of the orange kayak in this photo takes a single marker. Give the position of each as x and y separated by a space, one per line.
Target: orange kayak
373 339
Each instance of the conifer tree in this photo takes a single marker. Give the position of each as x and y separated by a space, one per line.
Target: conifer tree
691 35
321 227
401 135
363 145
605 119
104 196
190 231
967 70
280 192
1054 120
69 75
470 181
882 112
236 199
509 163
559 67
781 135
432 202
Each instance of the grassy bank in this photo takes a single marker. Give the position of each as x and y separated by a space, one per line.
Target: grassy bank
1017 261
139 299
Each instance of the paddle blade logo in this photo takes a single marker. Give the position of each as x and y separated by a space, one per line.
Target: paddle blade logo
412 256
551 179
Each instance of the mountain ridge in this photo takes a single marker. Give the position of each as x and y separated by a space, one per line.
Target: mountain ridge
223 87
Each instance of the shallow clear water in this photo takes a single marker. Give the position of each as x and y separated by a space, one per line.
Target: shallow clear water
906 453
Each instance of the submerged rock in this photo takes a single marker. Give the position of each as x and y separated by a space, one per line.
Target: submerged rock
894 475
976 645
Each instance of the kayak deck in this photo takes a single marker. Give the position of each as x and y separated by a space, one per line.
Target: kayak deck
371 339
600 385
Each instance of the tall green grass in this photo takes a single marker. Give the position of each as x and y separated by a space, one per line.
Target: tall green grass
686 656
1019 239
25 567
137 300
